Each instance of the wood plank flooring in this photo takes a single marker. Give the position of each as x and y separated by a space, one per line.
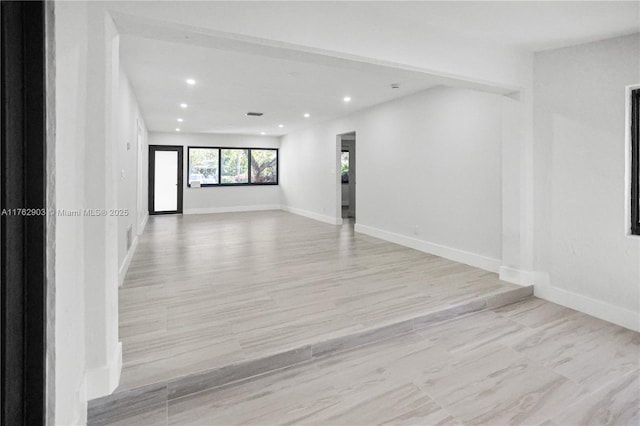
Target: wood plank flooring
207 291
529 363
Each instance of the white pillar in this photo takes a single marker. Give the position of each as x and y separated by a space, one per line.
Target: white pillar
103 351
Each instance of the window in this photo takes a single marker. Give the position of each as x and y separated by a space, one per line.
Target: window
344 159
235 166
635 161
203 165
232 166
264 166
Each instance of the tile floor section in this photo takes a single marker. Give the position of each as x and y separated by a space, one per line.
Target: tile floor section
224 294
528 363
206 291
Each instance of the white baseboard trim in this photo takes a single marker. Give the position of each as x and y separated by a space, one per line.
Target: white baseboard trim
143 223
102 381
516 276
312 215
233 209
80 415
596 308
122 273
468 258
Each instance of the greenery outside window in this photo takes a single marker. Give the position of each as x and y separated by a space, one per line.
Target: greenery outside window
264 166
235 166
344 159
217 166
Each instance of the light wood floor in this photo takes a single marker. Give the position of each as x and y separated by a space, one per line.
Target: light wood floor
205 291
529 363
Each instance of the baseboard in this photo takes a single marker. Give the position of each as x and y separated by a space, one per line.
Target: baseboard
312 215
143 223
468 258
596 308
233 209
79 415
104 380
516 276
122 273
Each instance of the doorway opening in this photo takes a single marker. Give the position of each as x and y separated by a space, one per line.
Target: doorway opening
165 179
347 173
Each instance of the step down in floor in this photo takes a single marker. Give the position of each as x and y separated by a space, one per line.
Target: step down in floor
134 401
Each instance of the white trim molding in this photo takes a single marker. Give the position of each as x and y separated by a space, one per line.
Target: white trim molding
122 273
516 276
104 380
312 215
596 308
468 258
232 209
143 223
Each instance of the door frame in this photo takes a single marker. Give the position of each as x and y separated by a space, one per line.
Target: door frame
152 169
23 244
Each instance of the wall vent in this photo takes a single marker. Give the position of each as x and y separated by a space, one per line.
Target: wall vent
255 114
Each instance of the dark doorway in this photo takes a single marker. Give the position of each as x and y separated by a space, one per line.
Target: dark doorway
348 174
23 220
165 179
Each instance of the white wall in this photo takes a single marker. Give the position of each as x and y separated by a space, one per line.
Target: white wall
130 157
71 67
101 168
222 198
87 352
583 256
429 172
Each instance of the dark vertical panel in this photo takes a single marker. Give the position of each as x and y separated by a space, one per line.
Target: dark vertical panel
12 226
635 162
35 197
23 231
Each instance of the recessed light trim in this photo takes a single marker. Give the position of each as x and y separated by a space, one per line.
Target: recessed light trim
307 115
347 99
180 120
177 129
191 81
183 105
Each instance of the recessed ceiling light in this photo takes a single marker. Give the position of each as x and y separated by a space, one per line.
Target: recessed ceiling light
347 99
180 120
262 133
177 129
307 115
183 105
281 125
191 81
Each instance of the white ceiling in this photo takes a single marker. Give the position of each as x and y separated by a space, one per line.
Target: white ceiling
234 77
530 25
230 83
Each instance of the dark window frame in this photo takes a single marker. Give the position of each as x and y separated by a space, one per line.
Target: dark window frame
635 161
152 166
220 184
